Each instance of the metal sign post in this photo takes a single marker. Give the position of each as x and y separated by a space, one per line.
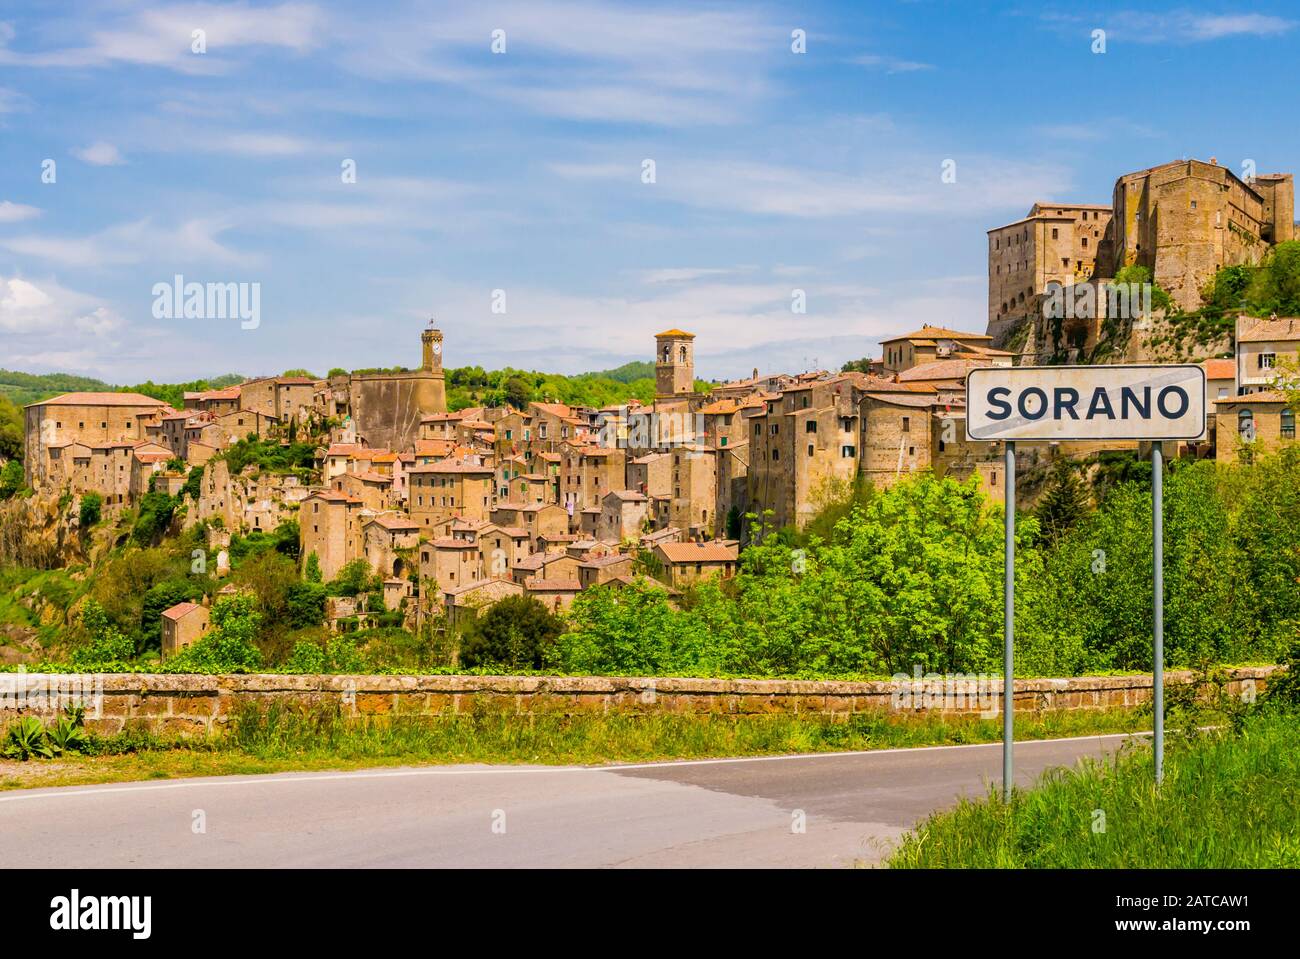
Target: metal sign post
1009 620
1158 605
1064 403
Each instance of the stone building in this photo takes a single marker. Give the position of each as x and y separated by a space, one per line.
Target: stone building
1053 243
1251 425
1263 348
330 525
1182 220
386 407
183 625
1185 219
685 563
88 419
623 513
445 490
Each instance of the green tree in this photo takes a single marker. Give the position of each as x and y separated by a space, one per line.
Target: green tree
1064 502
311 569
516 632
354 577
11 430
1276 286
11 479
518 392
153 518
230 647
90 510
107 647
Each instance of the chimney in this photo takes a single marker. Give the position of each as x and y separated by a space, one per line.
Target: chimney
1214 161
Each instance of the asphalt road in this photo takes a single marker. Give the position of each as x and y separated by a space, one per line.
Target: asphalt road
730 812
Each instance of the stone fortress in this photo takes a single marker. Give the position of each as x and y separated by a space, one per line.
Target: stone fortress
1182 220
385 407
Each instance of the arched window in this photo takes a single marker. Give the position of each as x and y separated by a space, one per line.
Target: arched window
1246 424
668 353
682 354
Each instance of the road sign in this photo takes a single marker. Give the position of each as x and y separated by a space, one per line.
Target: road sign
1086 403
1048 403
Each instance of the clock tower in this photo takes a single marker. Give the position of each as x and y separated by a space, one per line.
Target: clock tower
432 340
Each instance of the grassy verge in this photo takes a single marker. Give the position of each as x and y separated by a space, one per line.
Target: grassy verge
1229 800
278 739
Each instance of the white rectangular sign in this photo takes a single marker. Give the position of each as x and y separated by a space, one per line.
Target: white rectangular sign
1086 403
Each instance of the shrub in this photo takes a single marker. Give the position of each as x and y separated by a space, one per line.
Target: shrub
230 647
516 632
91 508
108 648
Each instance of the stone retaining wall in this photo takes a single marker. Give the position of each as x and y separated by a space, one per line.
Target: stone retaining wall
188 705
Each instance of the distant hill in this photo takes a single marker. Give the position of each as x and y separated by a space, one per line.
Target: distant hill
628 372
23 388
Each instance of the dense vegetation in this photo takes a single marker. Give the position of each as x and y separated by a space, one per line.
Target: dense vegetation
24 388
1227 802
880 583
913 577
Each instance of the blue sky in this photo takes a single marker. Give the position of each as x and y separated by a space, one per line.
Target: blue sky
521 171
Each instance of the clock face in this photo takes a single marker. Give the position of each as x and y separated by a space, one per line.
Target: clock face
437 348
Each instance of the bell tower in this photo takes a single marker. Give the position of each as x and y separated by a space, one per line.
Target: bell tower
674 363
431 339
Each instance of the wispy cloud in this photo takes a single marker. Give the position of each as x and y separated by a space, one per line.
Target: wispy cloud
138 241
900 185
165 36
1175 26
99 154
11 212
890 64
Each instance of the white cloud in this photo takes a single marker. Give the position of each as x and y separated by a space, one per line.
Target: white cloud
99 154
163 37
1174 26
902 185
11 212
134 242
891 64
681 274
583 60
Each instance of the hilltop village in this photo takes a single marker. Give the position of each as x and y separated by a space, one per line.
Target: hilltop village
456 510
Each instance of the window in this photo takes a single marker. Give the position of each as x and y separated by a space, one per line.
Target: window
776 454
848 452
1246 425
1085 242
1266 360
811 449
810 426
1223 392
1054 233
907 424
1288 424
776 428
1193 204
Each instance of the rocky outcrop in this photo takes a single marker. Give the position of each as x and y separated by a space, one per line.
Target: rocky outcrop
37 531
